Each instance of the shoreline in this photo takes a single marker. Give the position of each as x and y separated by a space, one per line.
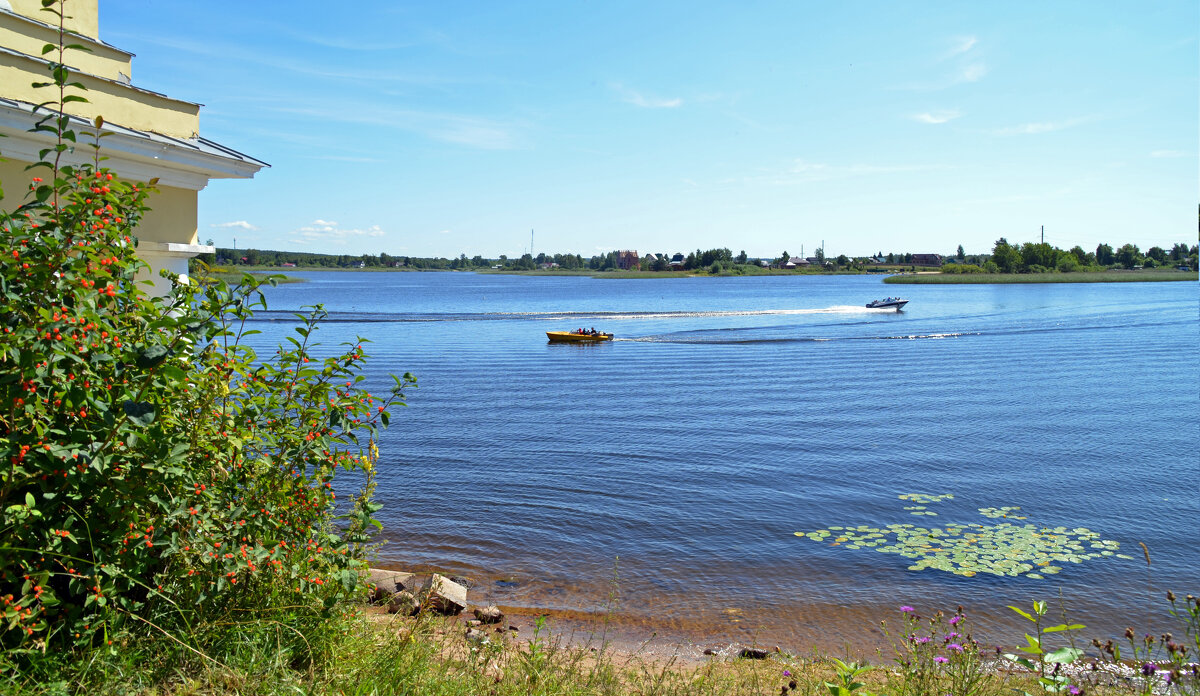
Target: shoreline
892 277
1116 276
793 626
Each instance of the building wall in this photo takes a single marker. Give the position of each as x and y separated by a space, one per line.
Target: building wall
82 16
28 37
172 217
14 180
116 102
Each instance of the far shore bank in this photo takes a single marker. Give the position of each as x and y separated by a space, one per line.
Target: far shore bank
1122 276
890 276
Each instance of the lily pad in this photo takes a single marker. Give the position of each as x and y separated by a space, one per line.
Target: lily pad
1001 548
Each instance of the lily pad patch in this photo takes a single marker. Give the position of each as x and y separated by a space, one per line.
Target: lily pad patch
1001 548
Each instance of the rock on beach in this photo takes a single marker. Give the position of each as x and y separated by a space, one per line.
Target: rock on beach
387 583
443 595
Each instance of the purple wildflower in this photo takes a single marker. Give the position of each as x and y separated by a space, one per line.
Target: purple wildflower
787 673
907 609
1074 690
954 621
1149 668
954 646
923 640
941 660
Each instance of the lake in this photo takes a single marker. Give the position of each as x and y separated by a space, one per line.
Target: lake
661 478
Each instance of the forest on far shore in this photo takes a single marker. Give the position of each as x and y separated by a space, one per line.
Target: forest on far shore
1031 257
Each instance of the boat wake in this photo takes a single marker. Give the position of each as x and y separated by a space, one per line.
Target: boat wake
716 339
386 317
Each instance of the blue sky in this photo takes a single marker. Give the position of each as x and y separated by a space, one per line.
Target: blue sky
457 127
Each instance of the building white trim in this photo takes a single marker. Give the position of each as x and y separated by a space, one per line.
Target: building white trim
137 155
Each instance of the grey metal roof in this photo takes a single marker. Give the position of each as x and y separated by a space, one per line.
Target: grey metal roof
198 144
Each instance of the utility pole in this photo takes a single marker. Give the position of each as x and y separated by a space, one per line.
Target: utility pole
1043 234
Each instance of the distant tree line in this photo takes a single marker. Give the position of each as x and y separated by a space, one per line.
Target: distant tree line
1032 257
1040 257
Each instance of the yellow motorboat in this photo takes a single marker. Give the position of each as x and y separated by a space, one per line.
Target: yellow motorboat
577 337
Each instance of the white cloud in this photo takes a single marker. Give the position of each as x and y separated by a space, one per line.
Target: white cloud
963 62
240 224
324 230
1039 128
962 44
972 73
1168 153
444 232
631 96
937 117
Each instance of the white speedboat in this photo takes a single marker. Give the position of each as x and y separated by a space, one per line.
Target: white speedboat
888 303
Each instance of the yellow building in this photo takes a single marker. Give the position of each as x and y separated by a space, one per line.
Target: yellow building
151 135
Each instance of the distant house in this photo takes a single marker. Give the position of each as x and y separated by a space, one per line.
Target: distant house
547 266
627 259
650 258
927 259
287 265
676 262
876 259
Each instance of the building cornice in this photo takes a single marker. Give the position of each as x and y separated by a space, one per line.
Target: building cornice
181 163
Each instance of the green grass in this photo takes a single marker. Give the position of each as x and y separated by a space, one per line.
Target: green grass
367 656
286 651
1141 276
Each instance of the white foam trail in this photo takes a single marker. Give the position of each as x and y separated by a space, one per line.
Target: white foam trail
836 309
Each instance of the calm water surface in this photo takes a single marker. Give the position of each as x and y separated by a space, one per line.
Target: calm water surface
732 412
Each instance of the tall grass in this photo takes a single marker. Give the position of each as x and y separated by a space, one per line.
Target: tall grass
368 654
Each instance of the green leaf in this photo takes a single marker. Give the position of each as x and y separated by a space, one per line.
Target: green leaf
1063 627
1064 655
1033 645
140 412
1023 661
1021 612
152 356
